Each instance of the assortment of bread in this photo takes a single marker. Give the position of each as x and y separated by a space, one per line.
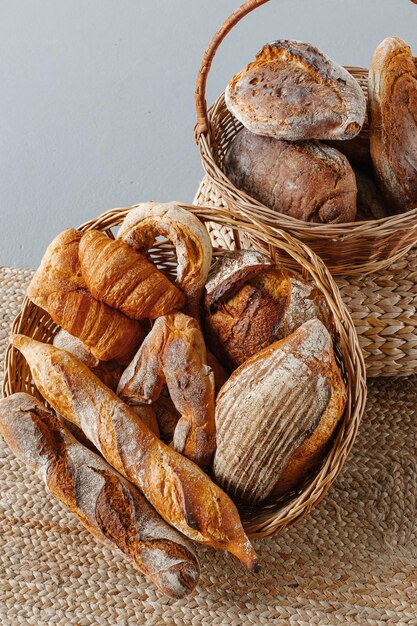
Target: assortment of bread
155 379
292 100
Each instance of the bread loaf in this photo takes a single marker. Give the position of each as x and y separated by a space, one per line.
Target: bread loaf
177 488
150 220
293 91
249 303
109 507
306 180
59 288
174 354
276 414
393 108
124 279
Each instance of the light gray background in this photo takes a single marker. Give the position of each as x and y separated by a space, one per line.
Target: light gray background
97 105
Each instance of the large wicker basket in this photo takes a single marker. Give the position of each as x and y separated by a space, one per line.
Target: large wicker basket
274 516
350 248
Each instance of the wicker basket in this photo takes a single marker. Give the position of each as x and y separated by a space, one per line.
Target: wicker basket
350 248
383 305
274 516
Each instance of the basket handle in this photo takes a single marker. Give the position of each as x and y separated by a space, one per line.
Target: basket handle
200 88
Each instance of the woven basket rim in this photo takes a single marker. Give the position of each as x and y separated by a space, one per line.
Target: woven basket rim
31 320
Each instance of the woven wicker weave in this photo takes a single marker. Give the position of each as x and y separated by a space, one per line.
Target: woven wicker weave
272 517
351 248
383 305
351 562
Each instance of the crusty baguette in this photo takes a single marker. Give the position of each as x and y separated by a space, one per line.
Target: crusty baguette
59 287
174 353
276 414
125 279
177 488
306 180
293 91
109 507
250 302
393 107
148 220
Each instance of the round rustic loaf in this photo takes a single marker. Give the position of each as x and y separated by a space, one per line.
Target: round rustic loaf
276 414
309 181
293 91
249 302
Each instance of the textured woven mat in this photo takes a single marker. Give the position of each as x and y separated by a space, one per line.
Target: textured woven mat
352 561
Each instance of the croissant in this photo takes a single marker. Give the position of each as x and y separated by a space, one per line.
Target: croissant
174 353
178 489
124 279
144 223
109 507
59 287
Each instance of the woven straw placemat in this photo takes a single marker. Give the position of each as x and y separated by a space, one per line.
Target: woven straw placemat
351 561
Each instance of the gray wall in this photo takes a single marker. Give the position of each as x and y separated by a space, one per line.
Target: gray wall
96 106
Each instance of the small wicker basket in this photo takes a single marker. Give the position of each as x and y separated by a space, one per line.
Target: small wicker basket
350 248
268 518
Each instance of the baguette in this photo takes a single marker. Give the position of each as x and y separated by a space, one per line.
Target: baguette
107 505
174 354
177 488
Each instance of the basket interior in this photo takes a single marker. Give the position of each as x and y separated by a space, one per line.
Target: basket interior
272 515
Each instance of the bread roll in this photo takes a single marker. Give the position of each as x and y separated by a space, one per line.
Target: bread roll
393 108
174 354
107 505
293 91
179 490
59 288
276 414
126 280
249 303
306 180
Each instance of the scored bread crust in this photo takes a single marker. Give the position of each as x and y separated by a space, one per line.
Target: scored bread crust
109 507
393 130
306 180
293 91
276 414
